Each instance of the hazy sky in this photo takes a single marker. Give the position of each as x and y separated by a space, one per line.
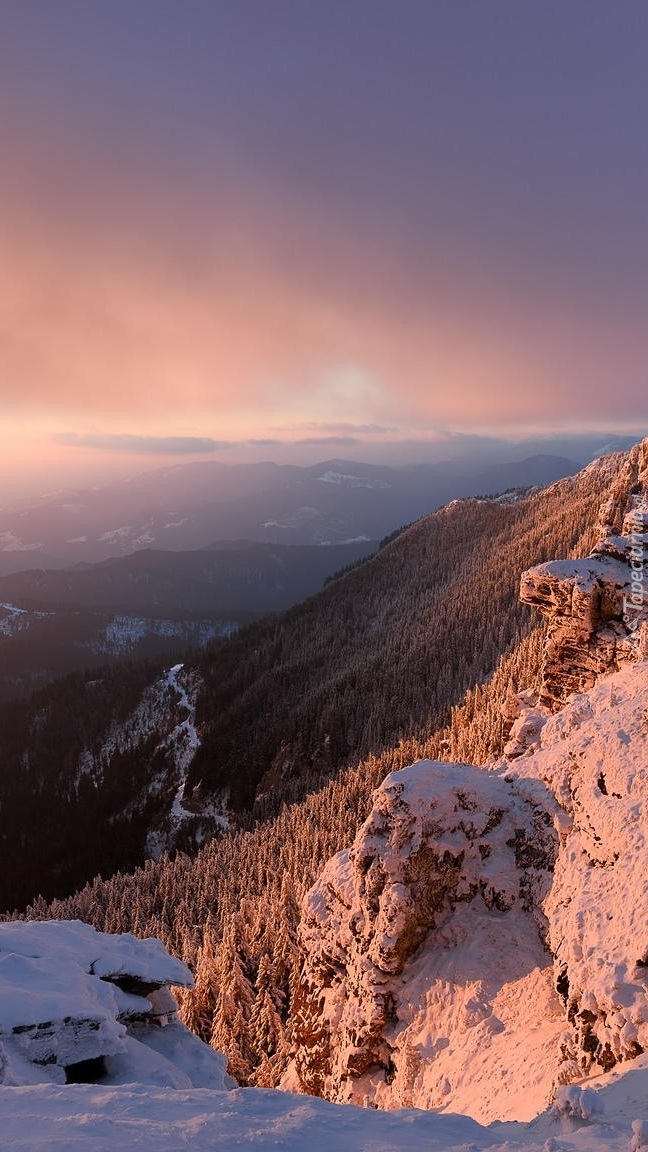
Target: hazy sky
325 221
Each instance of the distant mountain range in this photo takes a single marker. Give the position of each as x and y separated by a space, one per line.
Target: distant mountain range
198 506
149 604
232 579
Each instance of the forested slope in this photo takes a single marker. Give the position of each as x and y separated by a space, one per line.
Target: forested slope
232 911
384 652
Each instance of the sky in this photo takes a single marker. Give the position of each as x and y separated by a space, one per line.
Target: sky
291 229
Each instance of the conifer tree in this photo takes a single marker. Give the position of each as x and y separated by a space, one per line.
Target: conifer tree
234 998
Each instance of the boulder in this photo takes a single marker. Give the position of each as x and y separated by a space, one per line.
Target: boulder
70 997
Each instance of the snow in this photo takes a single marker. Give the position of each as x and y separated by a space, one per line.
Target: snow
59 1006
592 755
184 738
464 1003
477 1002
123 633
588 572
183 743
435 864
9 542
332 477
16 620
116 533
521 977
67 943
609 1115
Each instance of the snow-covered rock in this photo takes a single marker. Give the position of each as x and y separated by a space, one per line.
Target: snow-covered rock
593 756
597 608
80 1004
422 948
445 965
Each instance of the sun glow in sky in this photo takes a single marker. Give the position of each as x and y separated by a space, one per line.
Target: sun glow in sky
232 226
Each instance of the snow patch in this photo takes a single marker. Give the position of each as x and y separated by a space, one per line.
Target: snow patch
339 478
9 542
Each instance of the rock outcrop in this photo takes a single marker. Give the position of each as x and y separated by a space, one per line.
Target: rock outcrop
76 1004
423 941
597 609
448 963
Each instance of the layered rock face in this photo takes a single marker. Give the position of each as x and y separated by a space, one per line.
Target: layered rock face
422 949
597 609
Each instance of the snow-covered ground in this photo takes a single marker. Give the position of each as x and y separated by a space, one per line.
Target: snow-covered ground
182 743
13 619
123 633
163 1089
609 1116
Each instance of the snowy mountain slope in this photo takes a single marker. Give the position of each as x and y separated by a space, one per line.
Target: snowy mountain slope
159 1086
470 893
93 779
166 714
186 816
593 755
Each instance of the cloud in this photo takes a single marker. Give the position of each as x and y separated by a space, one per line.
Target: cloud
124 442
164 305
144 445
317 441
355 429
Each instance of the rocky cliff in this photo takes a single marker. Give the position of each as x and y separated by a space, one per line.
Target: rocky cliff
484 938
597 608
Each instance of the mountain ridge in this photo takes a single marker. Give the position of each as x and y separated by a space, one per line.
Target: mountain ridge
198 505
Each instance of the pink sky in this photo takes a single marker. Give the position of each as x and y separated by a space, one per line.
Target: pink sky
149 293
